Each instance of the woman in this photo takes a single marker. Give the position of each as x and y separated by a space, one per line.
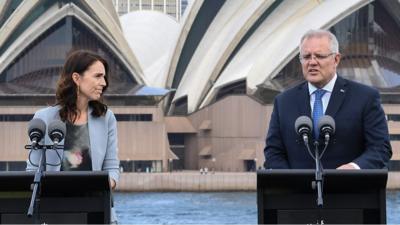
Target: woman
91 138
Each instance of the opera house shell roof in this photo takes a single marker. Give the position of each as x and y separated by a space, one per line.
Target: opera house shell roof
252 47
37 35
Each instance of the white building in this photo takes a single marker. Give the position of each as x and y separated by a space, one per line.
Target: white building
173 8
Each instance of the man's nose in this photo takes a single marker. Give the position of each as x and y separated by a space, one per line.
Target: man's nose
313 60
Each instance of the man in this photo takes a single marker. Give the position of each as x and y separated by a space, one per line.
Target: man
361 140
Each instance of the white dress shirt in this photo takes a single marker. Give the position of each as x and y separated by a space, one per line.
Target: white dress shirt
326 97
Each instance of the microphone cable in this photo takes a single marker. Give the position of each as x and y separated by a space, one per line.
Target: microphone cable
47 164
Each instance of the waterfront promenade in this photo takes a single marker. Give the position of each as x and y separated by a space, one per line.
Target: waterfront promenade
194 181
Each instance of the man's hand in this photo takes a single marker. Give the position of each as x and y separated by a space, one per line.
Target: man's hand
348 166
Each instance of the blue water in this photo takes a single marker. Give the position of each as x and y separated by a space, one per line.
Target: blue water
393 207
205 208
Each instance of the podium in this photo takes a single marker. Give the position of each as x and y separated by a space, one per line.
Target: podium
66 197
350 197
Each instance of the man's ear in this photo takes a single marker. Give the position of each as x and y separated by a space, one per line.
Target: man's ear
76 78
337 58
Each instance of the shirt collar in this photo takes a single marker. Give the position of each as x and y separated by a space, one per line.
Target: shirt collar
328 87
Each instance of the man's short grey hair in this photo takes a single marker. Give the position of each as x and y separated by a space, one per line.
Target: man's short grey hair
321 33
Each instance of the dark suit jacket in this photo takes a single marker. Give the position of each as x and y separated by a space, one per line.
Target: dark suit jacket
361 129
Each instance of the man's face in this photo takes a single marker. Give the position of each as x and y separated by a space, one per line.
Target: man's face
317 61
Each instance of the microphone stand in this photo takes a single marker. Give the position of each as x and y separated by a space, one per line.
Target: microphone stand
36 186
318 176
318 182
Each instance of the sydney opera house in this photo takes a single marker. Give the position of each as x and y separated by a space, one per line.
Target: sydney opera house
192 93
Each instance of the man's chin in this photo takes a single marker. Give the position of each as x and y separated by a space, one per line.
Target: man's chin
313 79
318 84
314 76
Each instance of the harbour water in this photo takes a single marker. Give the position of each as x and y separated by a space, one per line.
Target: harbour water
205 208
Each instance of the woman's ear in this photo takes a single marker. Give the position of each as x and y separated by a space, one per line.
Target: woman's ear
76 78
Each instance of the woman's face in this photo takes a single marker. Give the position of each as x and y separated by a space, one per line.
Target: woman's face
91 82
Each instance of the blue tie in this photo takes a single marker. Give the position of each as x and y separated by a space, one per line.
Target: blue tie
318 110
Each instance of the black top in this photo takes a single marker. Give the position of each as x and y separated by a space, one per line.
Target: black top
77 149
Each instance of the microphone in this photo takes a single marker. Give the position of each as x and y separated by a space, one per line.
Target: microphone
56 131
303 127
36 129
326 126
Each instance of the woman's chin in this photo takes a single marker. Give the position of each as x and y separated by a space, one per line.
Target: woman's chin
95 98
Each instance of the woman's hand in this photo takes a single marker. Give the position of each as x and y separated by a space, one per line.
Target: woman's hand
113 184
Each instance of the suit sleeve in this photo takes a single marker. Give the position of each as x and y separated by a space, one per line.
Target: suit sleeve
275 151
377 151
111 161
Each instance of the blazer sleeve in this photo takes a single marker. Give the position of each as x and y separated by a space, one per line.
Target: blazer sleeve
274 151
111 161
377 151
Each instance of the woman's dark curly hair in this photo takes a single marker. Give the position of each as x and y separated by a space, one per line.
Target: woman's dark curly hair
66 93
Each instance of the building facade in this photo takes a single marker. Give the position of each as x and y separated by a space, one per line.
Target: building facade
173 8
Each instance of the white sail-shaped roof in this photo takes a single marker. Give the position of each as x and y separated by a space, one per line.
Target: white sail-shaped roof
151 36
261 53
102 22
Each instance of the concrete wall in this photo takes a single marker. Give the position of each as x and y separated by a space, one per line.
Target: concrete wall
194 181
393 180
187 181
237 123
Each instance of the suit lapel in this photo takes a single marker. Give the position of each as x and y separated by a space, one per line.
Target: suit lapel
337 98
303 100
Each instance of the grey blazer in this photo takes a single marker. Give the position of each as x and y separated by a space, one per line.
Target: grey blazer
103 142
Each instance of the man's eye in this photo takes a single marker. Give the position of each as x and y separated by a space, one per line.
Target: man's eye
319 56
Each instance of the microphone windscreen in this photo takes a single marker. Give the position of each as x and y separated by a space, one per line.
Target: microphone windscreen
326 121
303 121
56 126
36 124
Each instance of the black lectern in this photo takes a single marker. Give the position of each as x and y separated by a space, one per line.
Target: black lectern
65 197
350 196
